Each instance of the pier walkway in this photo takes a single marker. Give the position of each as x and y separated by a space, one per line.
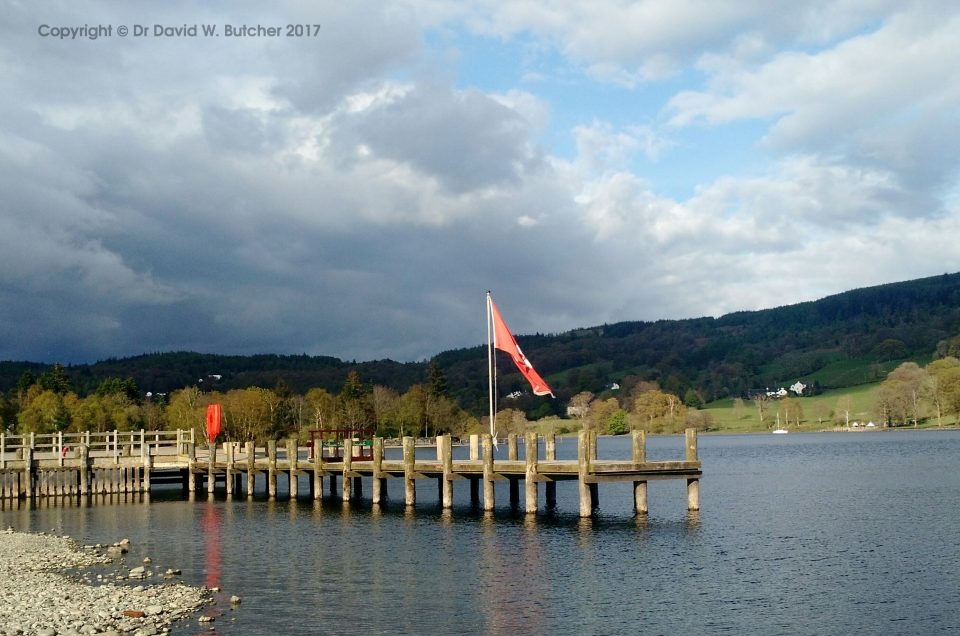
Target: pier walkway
83 464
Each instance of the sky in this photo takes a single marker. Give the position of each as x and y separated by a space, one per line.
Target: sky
352 187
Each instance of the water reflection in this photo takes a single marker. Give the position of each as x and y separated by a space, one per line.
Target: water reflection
210 525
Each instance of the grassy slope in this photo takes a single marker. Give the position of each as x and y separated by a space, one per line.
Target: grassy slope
819 412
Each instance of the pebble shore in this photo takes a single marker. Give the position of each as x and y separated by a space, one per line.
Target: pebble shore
39 596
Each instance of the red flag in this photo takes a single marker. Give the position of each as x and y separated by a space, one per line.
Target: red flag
213 422
504 341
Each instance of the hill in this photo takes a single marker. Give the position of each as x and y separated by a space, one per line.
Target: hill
839 341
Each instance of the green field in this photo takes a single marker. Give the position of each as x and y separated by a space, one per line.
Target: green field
817 413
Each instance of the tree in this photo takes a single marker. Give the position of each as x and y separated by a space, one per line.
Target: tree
56 380
353 408
126 387
914 384
600 413
791 410
692 399
281 410
843 409
46 414
436 380
760 400
893 401
410 411
579 406
511 421
185 410
659 411
321 408
941 373
386 406
617 423
247 414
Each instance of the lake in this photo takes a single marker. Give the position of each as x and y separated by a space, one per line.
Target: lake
832 533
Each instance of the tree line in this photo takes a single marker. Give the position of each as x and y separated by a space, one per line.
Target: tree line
48 403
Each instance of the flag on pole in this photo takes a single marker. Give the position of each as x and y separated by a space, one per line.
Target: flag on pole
504 341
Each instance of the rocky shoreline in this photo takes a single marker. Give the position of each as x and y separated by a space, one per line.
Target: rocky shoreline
39 596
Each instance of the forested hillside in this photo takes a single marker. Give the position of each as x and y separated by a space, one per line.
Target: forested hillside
842 340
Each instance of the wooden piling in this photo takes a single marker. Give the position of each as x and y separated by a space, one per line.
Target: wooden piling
693 484
251 452
639 456
211 471
27 482
272 468
318 468
409 458
531 452
293 459
512 456
147 471
379 482
347 468
229 468
474 446
550 452
583 468
445 456
191 484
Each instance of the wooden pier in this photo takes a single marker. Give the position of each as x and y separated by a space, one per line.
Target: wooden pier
132 462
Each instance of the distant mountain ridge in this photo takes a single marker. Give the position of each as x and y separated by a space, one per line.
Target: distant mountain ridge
840 340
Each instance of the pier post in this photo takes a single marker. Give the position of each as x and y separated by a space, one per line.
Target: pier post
693 485
583 466
317 468
272 468
191 484
594 486
446 457
26 485
409 458
531 451
251 451
512 456
147 470
379 483
347 469
639 452
210 467
474 446
488 496
229 469
84 485
293 459
474 456
550 451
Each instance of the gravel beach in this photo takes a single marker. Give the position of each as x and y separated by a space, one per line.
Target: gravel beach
41 595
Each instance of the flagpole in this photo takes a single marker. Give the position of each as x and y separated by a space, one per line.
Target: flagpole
491 370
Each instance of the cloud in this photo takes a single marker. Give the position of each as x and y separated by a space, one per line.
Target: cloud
349 195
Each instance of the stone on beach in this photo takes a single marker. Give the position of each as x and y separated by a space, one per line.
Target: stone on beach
32 584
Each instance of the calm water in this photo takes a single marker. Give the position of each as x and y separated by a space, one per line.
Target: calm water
798 534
